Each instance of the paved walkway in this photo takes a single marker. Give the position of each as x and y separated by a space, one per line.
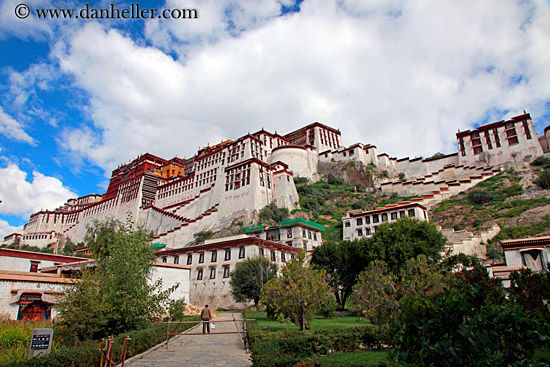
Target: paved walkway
199 350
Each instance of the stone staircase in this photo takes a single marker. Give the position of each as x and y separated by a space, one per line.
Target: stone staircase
464 242
450 180
435 191
170 235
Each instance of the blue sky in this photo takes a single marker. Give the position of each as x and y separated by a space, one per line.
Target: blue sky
79 97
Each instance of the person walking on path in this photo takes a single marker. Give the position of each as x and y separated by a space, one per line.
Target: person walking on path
206 316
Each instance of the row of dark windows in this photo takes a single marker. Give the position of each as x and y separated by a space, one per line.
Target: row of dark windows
226 271
384 217
511 136
308 234
213 256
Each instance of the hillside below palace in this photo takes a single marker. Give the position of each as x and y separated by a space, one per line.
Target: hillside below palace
232 181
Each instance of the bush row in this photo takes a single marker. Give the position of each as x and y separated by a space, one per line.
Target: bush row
289 347
88 355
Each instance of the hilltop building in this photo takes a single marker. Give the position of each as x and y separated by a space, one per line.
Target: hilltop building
231 181
359 224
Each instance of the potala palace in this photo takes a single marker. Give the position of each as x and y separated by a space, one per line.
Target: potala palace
231 181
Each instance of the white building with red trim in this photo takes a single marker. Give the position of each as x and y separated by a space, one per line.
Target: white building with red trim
212 262
233 180
359 224
27 293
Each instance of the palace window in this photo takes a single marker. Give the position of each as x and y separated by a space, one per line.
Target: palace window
394 215
375 218
261 252
227 256
346 224
201 258
367 231
533 260
199 274
283 259
411 212
273 257
241 253
189 259
359 221
226 271
384 217
214 257
164 259
367 220
34 266
289 233
176 260
212 273
359 232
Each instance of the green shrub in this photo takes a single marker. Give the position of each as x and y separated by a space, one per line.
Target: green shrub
541 161
334 180
360 188
87 355
300 180
312 204
480 197
544 179
287 348
272 213
359 204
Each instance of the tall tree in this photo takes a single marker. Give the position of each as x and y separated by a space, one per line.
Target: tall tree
375 294
397 242
298 293
249 278
117 289
342 263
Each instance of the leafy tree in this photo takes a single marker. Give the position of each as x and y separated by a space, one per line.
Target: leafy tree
423 278
397 242
69 247
200 237
342 263
249 278
467 325
298 293
531 291
176 308
116 290
375 294
272 213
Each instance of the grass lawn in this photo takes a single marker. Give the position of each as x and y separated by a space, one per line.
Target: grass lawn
366 358
319 323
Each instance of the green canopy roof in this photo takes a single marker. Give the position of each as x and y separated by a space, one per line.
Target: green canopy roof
157 245
254 228
304 222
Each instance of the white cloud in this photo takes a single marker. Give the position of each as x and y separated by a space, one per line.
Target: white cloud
24 85
28 28
401 75
13 129
21 196
6 229
217 20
